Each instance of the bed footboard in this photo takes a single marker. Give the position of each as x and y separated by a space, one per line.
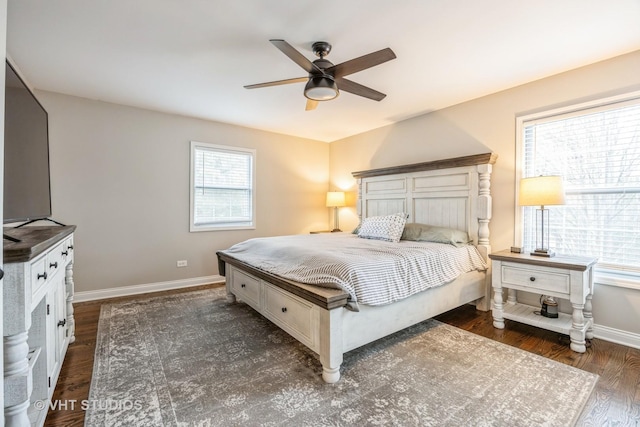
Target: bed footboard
323 324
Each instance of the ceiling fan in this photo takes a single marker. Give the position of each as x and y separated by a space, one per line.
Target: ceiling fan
325 80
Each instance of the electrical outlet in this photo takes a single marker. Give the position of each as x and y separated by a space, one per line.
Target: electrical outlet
182 263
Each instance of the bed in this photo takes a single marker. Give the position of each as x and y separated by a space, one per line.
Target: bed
452 193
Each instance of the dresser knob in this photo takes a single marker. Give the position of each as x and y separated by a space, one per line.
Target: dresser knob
65 253
42 276
533 279
53 264
284 309
243 286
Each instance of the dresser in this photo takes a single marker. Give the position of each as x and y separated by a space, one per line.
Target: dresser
564 277
38 318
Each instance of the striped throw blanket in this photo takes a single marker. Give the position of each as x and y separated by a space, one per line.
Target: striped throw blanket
373 272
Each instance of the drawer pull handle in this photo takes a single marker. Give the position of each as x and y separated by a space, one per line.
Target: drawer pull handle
65 253
70 247
284 309
533 279
42 276
62 322
53 264
243 286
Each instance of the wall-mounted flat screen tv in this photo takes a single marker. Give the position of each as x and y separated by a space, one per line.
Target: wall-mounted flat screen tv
27 190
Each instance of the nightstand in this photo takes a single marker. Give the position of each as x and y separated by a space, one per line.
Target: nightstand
566 277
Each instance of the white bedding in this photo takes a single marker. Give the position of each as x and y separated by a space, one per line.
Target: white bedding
373 272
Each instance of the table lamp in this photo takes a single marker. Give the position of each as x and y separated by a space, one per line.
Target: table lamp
542 191
335 200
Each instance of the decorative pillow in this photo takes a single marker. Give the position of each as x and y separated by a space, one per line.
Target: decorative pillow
430 233
387 227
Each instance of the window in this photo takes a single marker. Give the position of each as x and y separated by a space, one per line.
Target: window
222 187
596 148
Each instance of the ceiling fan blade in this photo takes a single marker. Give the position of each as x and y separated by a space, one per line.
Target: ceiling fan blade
311 105
361 63
296 56
277 83
358 89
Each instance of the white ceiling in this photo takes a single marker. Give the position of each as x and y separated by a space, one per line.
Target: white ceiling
193 57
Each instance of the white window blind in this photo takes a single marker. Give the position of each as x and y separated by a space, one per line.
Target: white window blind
222 187
597 152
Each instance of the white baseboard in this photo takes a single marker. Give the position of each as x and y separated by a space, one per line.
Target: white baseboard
617 336
146 288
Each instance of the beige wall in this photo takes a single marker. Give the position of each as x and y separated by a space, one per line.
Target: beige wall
488 124
121 174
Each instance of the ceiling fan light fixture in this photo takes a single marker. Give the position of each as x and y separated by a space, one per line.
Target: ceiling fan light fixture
321 89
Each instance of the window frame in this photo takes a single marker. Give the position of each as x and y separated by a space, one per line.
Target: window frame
609 276
223 226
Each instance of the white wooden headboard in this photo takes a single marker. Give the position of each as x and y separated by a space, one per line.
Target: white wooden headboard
451 193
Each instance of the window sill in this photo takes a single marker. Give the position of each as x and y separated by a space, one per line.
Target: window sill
196 229
617 279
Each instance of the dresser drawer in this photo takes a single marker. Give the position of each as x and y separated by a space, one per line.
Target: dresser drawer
55 260
540 279
292 314
246 287
39 276
66 250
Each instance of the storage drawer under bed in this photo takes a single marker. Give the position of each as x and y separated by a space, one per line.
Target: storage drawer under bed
293 314
246 287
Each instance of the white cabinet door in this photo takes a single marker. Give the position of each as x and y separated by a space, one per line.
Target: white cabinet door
56 328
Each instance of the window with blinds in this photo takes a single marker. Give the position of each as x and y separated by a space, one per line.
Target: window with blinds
597 152
222 187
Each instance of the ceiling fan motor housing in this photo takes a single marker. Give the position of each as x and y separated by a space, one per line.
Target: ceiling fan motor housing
323 64
321 86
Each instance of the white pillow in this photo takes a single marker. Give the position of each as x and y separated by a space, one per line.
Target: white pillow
387 227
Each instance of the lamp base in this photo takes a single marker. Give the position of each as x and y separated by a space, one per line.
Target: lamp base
336 230
543 252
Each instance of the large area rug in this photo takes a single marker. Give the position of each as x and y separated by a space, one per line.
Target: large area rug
192 359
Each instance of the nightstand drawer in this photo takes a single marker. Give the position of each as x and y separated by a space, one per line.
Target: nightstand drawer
540 279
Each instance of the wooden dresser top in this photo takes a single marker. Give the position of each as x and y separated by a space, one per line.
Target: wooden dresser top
33 241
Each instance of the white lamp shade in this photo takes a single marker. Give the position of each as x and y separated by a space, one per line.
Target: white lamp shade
335 199
541 191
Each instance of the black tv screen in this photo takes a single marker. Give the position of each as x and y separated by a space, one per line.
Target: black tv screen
27 191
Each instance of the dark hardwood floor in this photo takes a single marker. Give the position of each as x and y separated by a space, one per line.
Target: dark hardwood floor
614 402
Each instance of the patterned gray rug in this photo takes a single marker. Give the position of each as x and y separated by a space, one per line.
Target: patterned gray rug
192 359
